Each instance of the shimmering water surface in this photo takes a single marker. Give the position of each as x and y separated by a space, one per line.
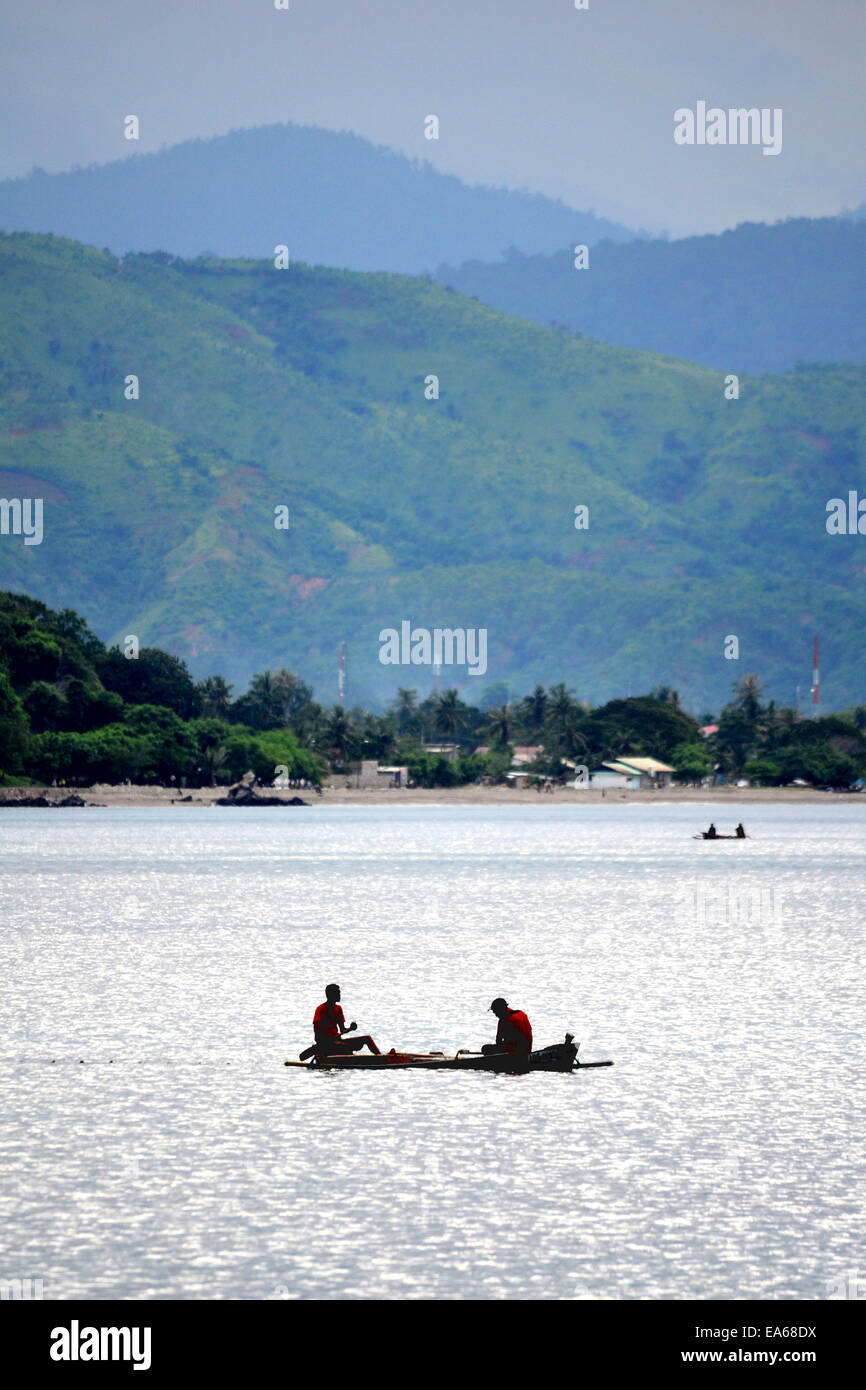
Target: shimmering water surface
721 1157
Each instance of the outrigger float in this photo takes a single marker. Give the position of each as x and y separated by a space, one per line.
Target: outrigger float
559 1057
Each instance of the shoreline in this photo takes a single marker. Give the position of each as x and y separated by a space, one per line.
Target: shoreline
138 796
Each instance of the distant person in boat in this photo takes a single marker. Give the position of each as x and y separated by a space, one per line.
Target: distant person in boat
712 832
514 1034
740 831
329 1025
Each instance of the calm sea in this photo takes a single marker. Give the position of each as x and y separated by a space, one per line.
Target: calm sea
180 953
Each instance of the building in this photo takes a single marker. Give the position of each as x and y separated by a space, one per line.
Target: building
527 754
610 781
643 772
449 751
397 776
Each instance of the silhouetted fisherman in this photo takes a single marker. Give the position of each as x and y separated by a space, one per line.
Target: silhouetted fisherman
514 1034
329 1026
740 831
712 833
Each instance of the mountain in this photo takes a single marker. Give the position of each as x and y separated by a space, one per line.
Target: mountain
331 197
756 299
305 388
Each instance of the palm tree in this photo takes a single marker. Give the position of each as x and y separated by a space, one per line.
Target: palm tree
625 740
534 708
213 758
405 706
561 716
449 714
499 724
339 734
215 695
747 696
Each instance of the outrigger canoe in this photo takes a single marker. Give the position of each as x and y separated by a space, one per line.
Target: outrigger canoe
560 1057
704 836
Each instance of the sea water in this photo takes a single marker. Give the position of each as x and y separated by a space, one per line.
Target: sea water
158 965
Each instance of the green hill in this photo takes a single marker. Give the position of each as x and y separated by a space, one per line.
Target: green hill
754 299
305 388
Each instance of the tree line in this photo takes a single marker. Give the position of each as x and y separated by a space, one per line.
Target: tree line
77 712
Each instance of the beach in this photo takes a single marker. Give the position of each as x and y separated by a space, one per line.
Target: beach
341 792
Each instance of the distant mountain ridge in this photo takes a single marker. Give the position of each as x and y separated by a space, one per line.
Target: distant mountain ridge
332 197
755 299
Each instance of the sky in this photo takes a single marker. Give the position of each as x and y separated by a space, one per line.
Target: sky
577 104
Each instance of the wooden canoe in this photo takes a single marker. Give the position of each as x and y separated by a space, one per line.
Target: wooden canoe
561 1057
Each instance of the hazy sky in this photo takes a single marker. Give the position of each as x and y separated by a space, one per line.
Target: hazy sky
529 93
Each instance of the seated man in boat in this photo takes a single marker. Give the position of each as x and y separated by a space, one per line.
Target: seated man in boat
712 833
329 1025
514 1034
740 831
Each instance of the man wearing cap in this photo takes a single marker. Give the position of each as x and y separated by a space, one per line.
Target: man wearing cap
514 1034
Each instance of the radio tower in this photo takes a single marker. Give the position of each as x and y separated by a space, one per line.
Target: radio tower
341 675
816 680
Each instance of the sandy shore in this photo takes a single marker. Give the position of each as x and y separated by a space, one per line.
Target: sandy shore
342 795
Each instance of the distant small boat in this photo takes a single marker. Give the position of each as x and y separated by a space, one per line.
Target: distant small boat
560 1057
705 835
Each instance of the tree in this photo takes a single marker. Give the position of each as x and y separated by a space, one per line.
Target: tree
339 735
274 700
170 744
153 678
405 708
561 713
28 653
215 697
46 707
858 717
641 725
736 739
14 728
450 718
499 725
279 748
564 735
533 708
747 696
295 696
209 737
692 762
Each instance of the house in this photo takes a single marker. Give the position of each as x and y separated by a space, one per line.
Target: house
365 773
607 781
449 751
398 776
648 772
368 774
527 754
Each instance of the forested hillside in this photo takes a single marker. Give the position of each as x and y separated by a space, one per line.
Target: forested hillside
756 299
304 389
